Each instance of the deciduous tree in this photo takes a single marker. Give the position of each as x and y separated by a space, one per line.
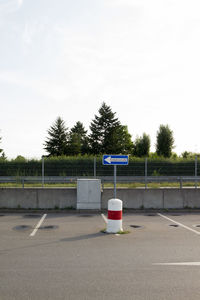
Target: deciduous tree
122 143
141 146
1 150
164 141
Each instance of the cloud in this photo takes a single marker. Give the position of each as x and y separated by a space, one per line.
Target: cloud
49 88
20 2
9 6
123 2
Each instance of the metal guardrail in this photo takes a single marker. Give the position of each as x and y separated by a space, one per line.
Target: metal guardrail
151 179
105 179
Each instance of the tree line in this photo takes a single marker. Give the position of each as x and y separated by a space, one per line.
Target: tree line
107 135
2 154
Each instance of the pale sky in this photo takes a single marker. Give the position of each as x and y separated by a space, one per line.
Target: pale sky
64 58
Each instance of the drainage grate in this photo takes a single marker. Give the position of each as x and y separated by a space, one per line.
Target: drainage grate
22 227
135 226
151 215
174 225
49 227
33 216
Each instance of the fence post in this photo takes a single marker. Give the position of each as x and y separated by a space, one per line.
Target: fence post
42 171
23 182
181 183
196 171
102 181
95 167
145 172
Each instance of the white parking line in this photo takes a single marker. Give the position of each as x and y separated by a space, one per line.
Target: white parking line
193 263
104 218
180 224
38 225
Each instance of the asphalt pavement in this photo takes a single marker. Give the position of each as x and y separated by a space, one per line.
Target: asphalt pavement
66 256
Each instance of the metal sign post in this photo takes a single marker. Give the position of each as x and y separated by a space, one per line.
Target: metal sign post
115 181
115 160
195 171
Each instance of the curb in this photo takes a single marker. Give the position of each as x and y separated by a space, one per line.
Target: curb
91 211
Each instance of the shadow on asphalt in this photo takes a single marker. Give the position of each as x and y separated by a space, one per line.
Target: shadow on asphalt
82 237
75 238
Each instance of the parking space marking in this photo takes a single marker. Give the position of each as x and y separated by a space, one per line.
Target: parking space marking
180 224
104 218
38 225
193 263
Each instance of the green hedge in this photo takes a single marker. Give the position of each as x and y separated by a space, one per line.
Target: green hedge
84 166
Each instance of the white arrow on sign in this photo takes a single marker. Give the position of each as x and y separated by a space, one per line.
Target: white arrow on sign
110 159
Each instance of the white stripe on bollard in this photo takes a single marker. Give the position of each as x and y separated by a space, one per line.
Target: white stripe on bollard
114 224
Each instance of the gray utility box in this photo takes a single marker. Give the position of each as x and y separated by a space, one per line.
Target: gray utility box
88 194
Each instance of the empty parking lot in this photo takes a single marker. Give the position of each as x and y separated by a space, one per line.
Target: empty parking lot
66 256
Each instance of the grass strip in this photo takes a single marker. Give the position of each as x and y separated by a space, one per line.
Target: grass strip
106 185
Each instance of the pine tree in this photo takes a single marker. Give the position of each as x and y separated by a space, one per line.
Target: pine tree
74 145
142 146
78 140
102 130
164 141
56 143
108 135
79 129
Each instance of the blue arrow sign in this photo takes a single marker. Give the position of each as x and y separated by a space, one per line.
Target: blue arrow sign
115 159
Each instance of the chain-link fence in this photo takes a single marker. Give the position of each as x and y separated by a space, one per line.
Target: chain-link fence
142 172
93 166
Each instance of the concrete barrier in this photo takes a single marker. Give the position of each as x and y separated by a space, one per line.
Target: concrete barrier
17 197
37 197
191 198
57 198
135 198
155 198
173 198
132 198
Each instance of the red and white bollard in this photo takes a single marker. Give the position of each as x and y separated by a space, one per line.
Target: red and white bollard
114 216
